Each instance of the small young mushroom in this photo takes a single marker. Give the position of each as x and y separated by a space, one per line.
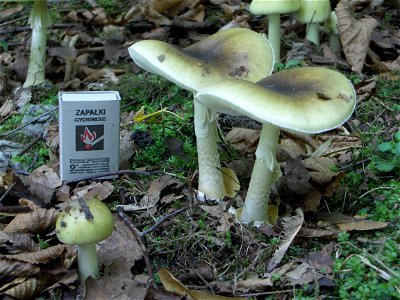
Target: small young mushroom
274 8
40 21
305 100
312 13
231 53
85 227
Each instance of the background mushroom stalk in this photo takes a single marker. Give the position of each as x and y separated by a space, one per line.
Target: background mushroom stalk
273 9
313 12
265 172
40 21
219 56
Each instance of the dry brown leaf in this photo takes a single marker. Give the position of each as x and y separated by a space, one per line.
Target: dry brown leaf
28 288
316 232
320 169
218 211
5 13
173 285
7 107
291 226
36 221
17 242
254 284
119 254
40 256
355 35
6 179
14 268
349 223
99 190
46 176
242 139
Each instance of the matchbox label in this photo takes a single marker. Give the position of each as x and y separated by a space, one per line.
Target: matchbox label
89 138
89 134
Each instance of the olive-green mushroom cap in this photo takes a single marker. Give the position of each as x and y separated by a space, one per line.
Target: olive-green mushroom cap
233 53
72 227
304 100
313 11
266 7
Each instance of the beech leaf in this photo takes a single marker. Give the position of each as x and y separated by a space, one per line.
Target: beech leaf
355 35
41 256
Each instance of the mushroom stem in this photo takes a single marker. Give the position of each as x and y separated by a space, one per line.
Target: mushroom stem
265 172
211 181
274 35
88 265
313 33
40 21
334 42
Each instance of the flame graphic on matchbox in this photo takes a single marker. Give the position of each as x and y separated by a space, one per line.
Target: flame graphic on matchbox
89 137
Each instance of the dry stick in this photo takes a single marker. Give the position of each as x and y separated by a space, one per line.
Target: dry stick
138 236
14 209
28 28
85 208
6 193
120 172
163 219
27 123
30 145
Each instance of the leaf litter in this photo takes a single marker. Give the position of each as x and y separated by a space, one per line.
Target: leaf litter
307 164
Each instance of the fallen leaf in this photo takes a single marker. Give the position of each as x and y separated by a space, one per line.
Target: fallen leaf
291 226
355 35
173 285
40 256
17 242
254 284
5 13
39 220
218 211
349 223
29 287
242 139
13 268
119 254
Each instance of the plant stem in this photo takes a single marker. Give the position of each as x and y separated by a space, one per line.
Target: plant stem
88 264
334 42
313 33
265 172
40 21
211 180
274 35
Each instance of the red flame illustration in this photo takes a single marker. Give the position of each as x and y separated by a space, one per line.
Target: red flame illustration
87 138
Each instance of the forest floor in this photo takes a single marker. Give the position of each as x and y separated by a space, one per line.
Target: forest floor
342 186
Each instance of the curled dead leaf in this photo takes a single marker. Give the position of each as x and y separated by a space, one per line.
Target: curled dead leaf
14 268
38 220
40 256
355 35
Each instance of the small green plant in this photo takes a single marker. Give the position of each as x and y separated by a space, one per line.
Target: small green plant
42 243
389 155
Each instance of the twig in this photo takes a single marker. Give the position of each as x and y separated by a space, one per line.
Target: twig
6 193
120 172
13 21
266 293
162 220
27 123
30 145
14 209
377 188
85 208
138 236
27 28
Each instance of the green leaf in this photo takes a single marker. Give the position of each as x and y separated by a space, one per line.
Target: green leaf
4 45
385 166
386 146
397 136
397 149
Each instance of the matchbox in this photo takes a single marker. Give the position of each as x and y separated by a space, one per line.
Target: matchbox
89 134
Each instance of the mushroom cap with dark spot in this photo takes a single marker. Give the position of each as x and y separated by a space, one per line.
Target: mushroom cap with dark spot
233 53
305 100
72 227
